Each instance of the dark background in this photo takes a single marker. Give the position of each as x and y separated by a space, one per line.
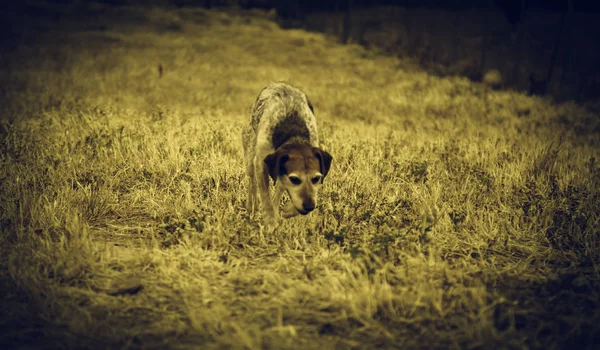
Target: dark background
547 48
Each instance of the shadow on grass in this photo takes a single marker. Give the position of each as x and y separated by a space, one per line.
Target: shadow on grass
560 313
21 323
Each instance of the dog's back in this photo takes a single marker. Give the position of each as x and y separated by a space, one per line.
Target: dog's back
281 112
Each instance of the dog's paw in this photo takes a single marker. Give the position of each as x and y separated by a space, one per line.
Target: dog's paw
271 222
251 204
289 211
270 217
250 208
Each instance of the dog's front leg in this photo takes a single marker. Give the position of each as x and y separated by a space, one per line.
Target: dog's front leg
252 202
270 216
289 210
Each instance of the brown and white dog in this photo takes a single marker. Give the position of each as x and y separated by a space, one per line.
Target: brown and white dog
282 142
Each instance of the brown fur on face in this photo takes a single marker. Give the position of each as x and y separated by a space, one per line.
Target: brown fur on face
300 169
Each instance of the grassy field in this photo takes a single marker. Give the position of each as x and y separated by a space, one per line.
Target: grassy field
453 217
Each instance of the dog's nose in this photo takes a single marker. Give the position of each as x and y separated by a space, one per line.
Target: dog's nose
308 206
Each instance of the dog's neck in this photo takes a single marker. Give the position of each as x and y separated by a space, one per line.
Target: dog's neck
296 140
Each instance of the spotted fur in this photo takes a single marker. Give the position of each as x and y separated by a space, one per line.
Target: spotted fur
283 121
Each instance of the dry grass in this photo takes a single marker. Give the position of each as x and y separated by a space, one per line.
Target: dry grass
453 216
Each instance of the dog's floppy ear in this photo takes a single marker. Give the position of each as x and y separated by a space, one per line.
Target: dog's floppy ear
274 163
324 160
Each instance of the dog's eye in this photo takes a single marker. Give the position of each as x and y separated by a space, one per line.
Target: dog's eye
315 180
295 180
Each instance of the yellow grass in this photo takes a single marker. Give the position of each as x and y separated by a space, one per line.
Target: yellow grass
453 216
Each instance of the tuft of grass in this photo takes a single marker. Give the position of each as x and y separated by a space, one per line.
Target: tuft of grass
453 216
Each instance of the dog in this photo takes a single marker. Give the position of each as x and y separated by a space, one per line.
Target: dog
281 142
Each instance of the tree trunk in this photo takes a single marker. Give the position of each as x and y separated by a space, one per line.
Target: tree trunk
347 23
457 18
485 36
561 26
518 47
567 54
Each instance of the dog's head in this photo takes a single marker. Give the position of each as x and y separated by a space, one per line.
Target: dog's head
300 168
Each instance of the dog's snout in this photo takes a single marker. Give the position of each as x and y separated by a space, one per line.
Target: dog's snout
308 206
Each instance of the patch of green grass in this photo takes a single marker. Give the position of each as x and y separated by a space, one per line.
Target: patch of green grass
453 216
